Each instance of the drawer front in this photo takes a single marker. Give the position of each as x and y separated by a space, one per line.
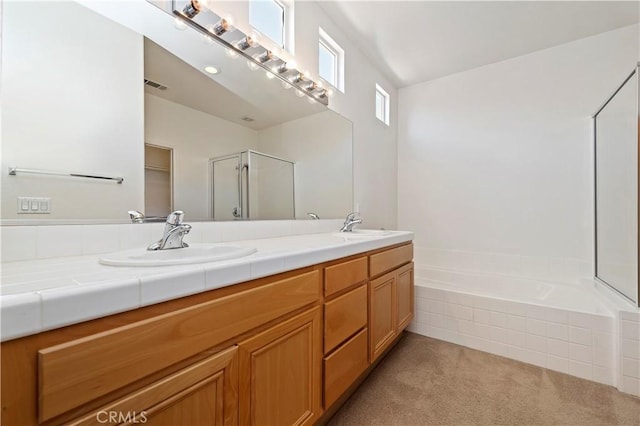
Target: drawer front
345 274
344 366
76 372
390 259
344 316
205 392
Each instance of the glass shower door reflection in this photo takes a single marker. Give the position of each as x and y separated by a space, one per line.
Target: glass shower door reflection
227 188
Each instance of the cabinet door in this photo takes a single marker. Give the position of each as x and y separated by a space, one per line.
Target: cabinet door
280 373
205 393
404 296
382 314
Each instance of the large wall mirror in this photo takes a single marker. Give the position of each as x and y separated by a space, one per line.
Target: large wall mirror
617 143
116 89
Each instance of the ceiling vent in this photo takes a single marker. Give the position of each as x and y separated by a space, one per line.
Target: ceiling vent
154 84
247 119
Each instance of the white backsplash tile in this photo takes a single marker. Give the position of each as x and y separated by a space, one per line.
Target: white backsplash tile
58 241
100 239
18 243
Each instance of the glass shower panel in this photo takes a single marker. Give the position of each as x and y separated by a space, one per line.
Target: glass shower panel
226 188
616 150
271 187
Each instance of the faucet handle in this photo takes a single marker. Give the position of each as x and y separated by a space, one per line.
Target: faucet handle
136 216
175 218
352 216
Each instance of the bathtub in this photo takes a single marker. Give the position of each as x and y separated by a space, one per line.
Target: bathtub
562 327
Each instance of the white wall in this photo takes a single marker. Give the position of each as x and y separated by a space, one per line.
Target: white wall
495 164
49 122
374 143
195 138
320 145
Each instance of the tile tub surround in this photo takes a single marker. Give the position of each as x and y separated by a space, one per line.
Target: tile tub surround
582 344
42 294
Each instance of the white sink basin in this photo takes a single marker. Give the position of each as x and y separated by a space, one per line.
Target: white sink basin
361 234
195 253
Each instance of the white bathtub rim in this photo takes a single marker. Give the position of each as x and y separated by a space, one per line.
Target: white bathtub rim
484 274
446 286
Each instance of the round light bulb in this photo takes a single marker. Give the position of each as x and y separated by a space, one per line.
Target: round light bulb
212 70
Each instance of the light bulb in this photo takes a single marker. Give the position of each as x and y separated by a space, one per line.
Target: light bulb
248 41
222 26
212 70
297 78
264 57
192 9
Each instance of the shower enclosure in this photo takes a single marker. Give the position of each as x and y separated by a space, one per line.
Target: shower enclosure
252 185
617 141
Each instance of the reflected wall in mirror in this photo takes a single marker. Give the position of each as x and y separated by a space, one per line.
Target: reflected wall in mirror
616 152
74 100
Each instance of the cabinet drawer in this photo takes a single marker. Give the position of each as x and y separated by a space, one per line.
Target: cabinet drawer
343 367
203 393
344 316
345 274
76 372
390 259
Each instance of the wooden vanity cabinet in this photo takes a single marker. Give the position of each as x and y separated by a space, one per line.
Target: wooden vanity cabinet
280 373
284 349
345 326
391 305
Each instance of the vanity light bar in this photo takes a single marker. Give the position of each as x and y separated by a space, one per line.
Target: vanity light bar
246 41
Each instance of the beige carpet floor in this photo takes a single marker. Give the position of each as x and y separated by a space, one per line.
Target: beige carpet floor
425 381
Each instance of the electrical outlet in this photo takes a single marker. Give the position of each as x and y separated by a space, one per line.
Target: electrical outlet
34 205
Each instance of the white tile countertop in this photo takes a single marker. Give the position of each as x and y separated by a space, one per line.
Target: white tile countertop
43 294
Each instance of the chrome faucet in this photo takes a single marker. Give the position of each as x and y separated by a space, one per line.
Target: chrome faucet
174 232
313 216
138 217
351 220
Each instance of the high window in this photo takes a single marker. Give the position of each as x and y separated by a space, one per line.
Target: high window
330 60
382 105
269 18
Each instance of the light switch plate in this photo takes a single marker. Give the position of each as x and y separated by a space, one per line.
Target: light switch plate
34 205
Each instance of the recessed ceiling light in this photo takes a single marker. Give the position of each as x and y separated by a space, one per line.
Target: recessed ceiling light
212 70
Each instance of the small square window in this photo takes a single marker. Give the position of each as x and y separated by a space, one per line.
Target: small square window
268 17
330 61
382 105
